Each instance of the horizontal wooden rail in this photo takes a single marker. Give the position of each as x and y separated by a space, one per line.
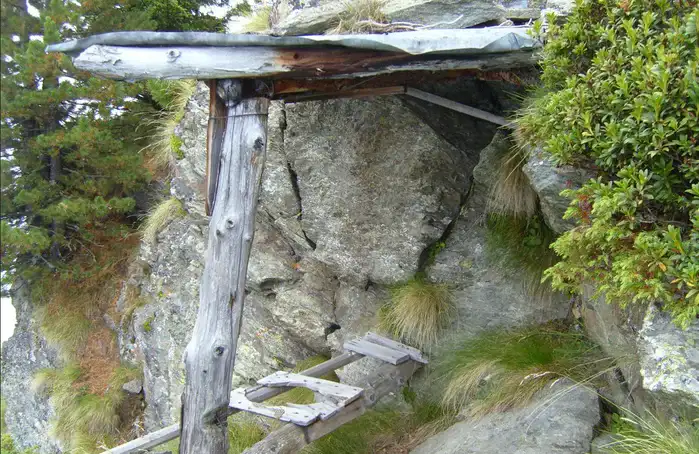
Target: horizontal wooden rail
257 394
453 105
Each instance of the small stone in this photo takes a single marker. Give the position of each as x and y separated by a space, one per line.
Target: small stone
134 386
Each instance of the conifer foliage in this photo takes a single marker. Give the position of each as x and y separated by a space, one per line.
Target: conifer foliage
68 163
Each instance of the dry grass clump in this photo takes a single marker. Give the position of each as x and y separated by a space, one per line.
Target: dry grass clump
172 96
259 21
360 16
499 370
512 195
652 435
417 312
84 420
159 216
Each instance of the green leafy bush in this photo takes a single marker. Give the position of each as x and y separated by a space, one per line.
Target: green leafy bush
623 99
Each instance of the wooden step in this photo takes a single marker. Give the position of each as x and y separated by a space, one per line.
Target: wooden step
334 396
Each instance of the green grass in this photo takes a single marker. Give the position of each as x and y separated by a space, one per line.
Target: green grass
3 409
159 216
652 435
499 370
84 422
359 16
148 324
522 245
386 430
7 446
243 432
163 144
417 312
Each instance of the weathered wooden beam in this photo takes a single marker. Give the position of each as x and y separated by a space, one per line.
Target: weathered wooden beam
210 355
214 141
256 394
453 105
290 439
188 62
352 93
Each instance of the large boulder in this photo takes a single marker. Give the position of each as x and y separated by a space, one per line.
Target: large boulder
487 291
377 186
26 352
560 420
548 180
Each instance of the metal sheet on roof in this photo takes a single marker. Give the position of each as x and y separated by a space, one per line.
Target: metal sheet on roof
471 41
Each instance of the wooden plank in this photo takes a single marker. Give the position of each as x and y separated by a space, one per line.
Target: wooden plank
147 441
300 415
255 394
326 410
353 93
453 105
290 439
376 351
345 415
214 141
415 354
210 355
190 62
344 393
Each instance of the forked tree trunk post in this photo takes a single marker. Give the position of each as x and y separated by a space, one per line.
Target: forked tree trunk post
210 355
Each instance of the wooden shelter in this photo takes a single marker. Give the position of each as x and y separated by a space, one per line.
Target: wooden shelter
245 72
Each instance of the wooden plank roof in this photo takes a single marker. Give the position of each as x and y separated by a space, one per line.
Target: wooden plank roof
174 55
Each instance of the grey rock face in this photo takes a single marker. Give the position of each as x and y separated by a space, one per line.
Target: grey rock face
377 186
488 294
658 361
670 357
23 355
548 180
559 420
437 13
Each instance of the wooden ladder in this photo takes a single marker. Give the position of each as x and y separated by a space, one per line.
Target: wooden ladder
336 403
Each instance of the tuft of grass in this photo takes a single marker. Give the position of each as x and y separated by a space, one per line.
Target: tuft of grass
84 420
359 16
417 312
512 195
652 435
172 96
3 409
159 216
523 244
243 433
499 370
259 21
386 430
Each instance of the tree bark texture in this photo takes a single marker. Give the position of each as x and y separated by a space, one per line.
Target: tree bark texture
210 355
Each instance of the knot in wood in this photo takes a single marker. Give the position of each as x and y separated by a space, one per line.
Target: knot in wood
230 223
173 54
218 351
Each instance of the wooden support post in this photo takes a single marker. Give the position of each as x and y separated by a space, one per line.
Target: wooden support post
210 355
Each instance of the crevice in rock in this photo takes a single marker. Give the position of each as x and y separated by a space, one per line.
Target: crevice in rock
331 328
294 179
428 255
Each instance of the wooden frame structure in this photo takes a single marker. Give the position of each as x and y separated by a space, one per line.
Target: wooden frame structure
244 73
